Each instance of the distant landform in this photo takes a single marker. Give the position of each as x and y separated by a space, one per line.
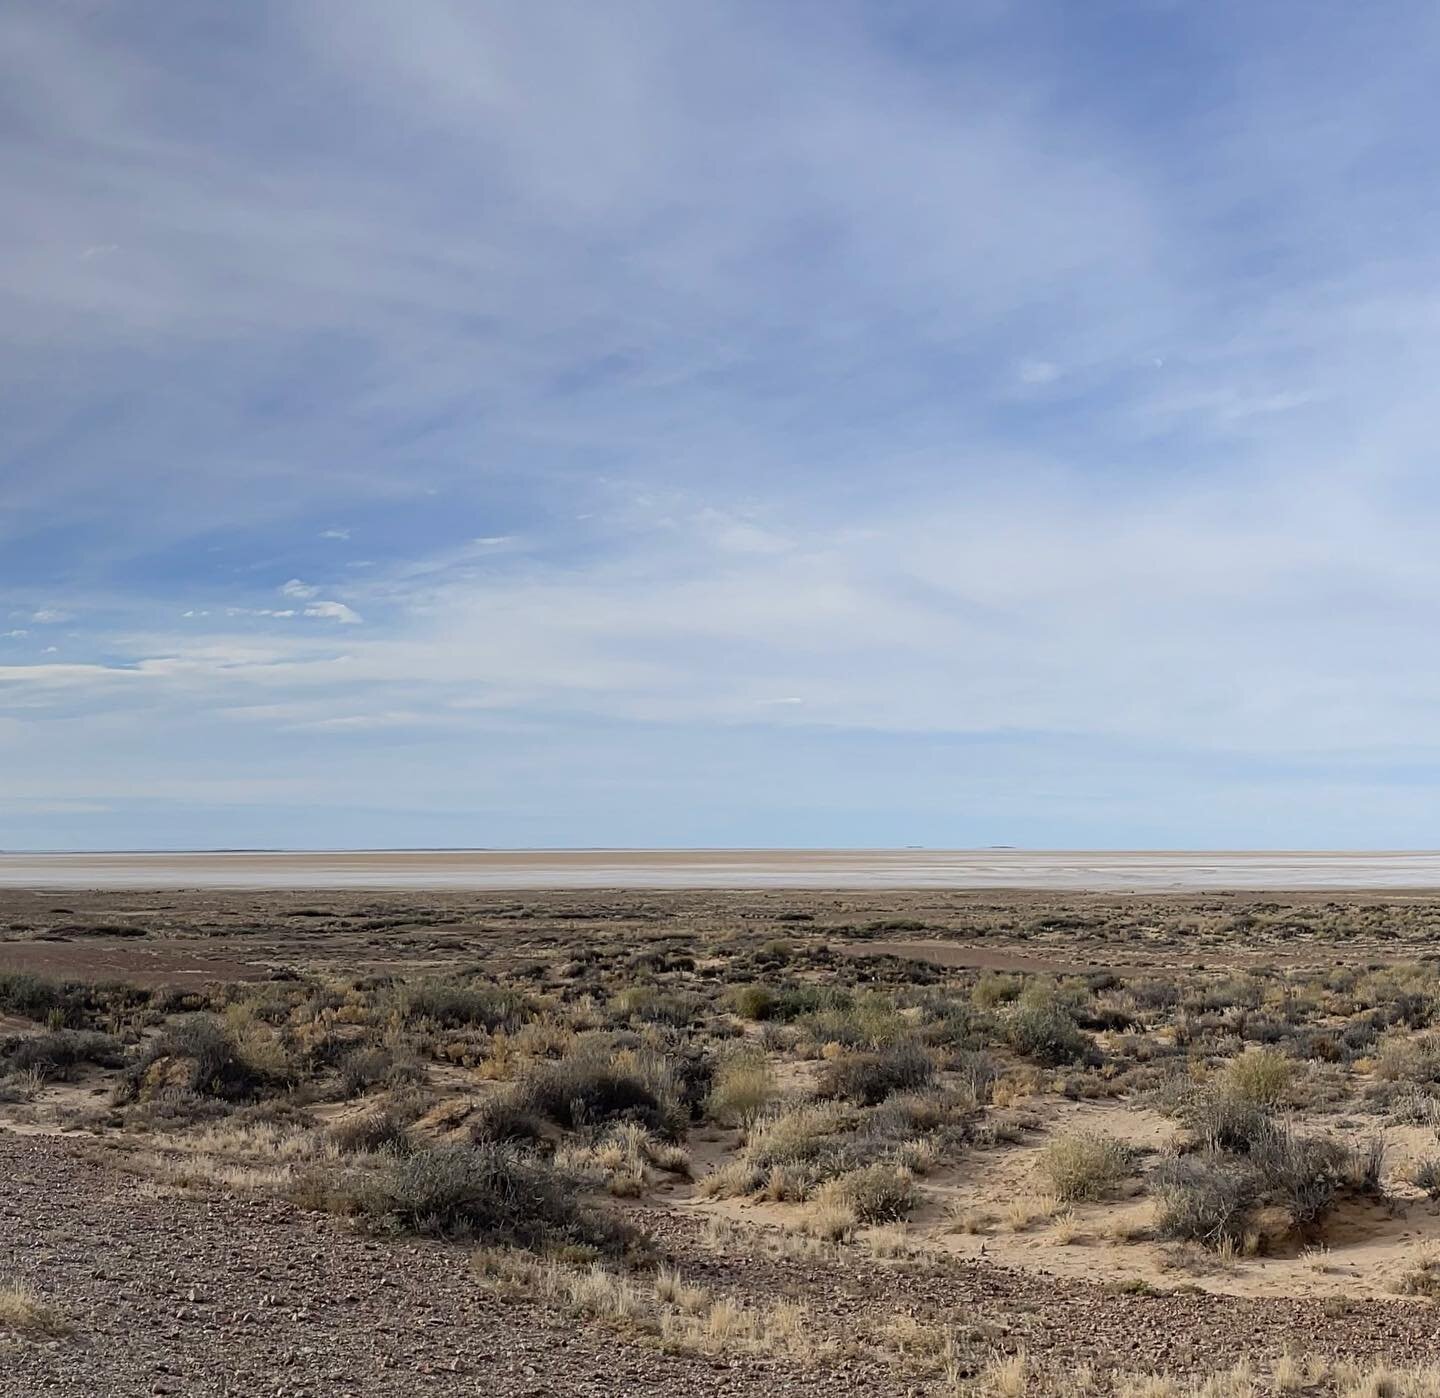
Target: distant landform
998 867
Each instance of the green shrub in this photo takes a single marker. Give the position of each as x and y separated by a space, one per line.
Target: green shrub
1261 1077
742 1088
878 1193
1084 1166
1048 1034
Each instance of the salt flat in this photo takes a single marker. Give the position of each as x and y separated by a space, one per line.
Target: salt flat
1106 871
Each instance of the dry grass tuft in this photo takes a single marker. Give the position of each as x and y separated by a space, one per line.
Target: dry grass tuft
23 1313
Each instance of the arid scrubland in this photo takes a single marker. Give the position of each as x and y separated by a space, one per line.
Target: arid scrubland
925 1143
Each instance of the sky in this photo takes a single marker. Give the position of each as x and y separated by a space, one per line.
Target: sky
816 423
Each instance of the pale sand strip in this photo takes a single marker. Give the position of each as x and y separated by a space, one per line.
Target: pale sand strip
1147 871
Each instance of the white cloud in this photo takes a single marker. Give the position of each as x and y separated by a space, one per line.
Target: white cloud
333 611
50 616
296 588
334 533
1037 371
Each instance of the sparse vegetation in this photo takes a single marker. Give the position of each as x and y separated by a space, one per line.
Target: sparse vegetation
549 1088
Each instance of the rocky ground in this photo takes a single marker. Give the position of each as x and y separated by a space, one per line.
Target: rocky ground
230 1295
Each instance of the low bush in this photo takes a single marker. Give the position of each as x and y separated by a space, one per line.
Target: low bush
742 1087
502 1118
876 1193
867 1021
1425 1174
46 1001
1408 1058
1048 1034
491 1193
373 1066
1224 1123
1259 1077
752 1001
57 1055
650 1005
869 1078
588 1089
1207 1198
370 1131
459 1005
1301 1173
1084 1166
197 1055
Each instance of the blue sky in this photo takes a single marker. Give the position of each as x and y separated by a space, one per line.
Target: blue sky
671 424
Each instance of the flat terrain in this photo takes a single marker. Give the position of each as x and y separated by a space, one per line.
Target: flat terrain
1081 871
752 1141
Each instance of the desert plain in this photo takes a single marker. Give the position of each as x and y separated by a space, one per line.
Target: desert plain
944 1140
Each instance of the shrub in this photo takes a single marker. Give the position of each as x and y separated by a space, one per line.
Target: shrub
876 1193
1048 1034
587 1090
867 1022
204 1059
22 1312
33 997
1303 1174
1084 1166
1425 1174
457 1005
868 1078
370 1131
56 1055
1225 1123
742 1088
1260 1077
751 1001
1406 1058
492 1193
1207 1198
502 1118
652 1006
366 1067
993 989
802 1146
